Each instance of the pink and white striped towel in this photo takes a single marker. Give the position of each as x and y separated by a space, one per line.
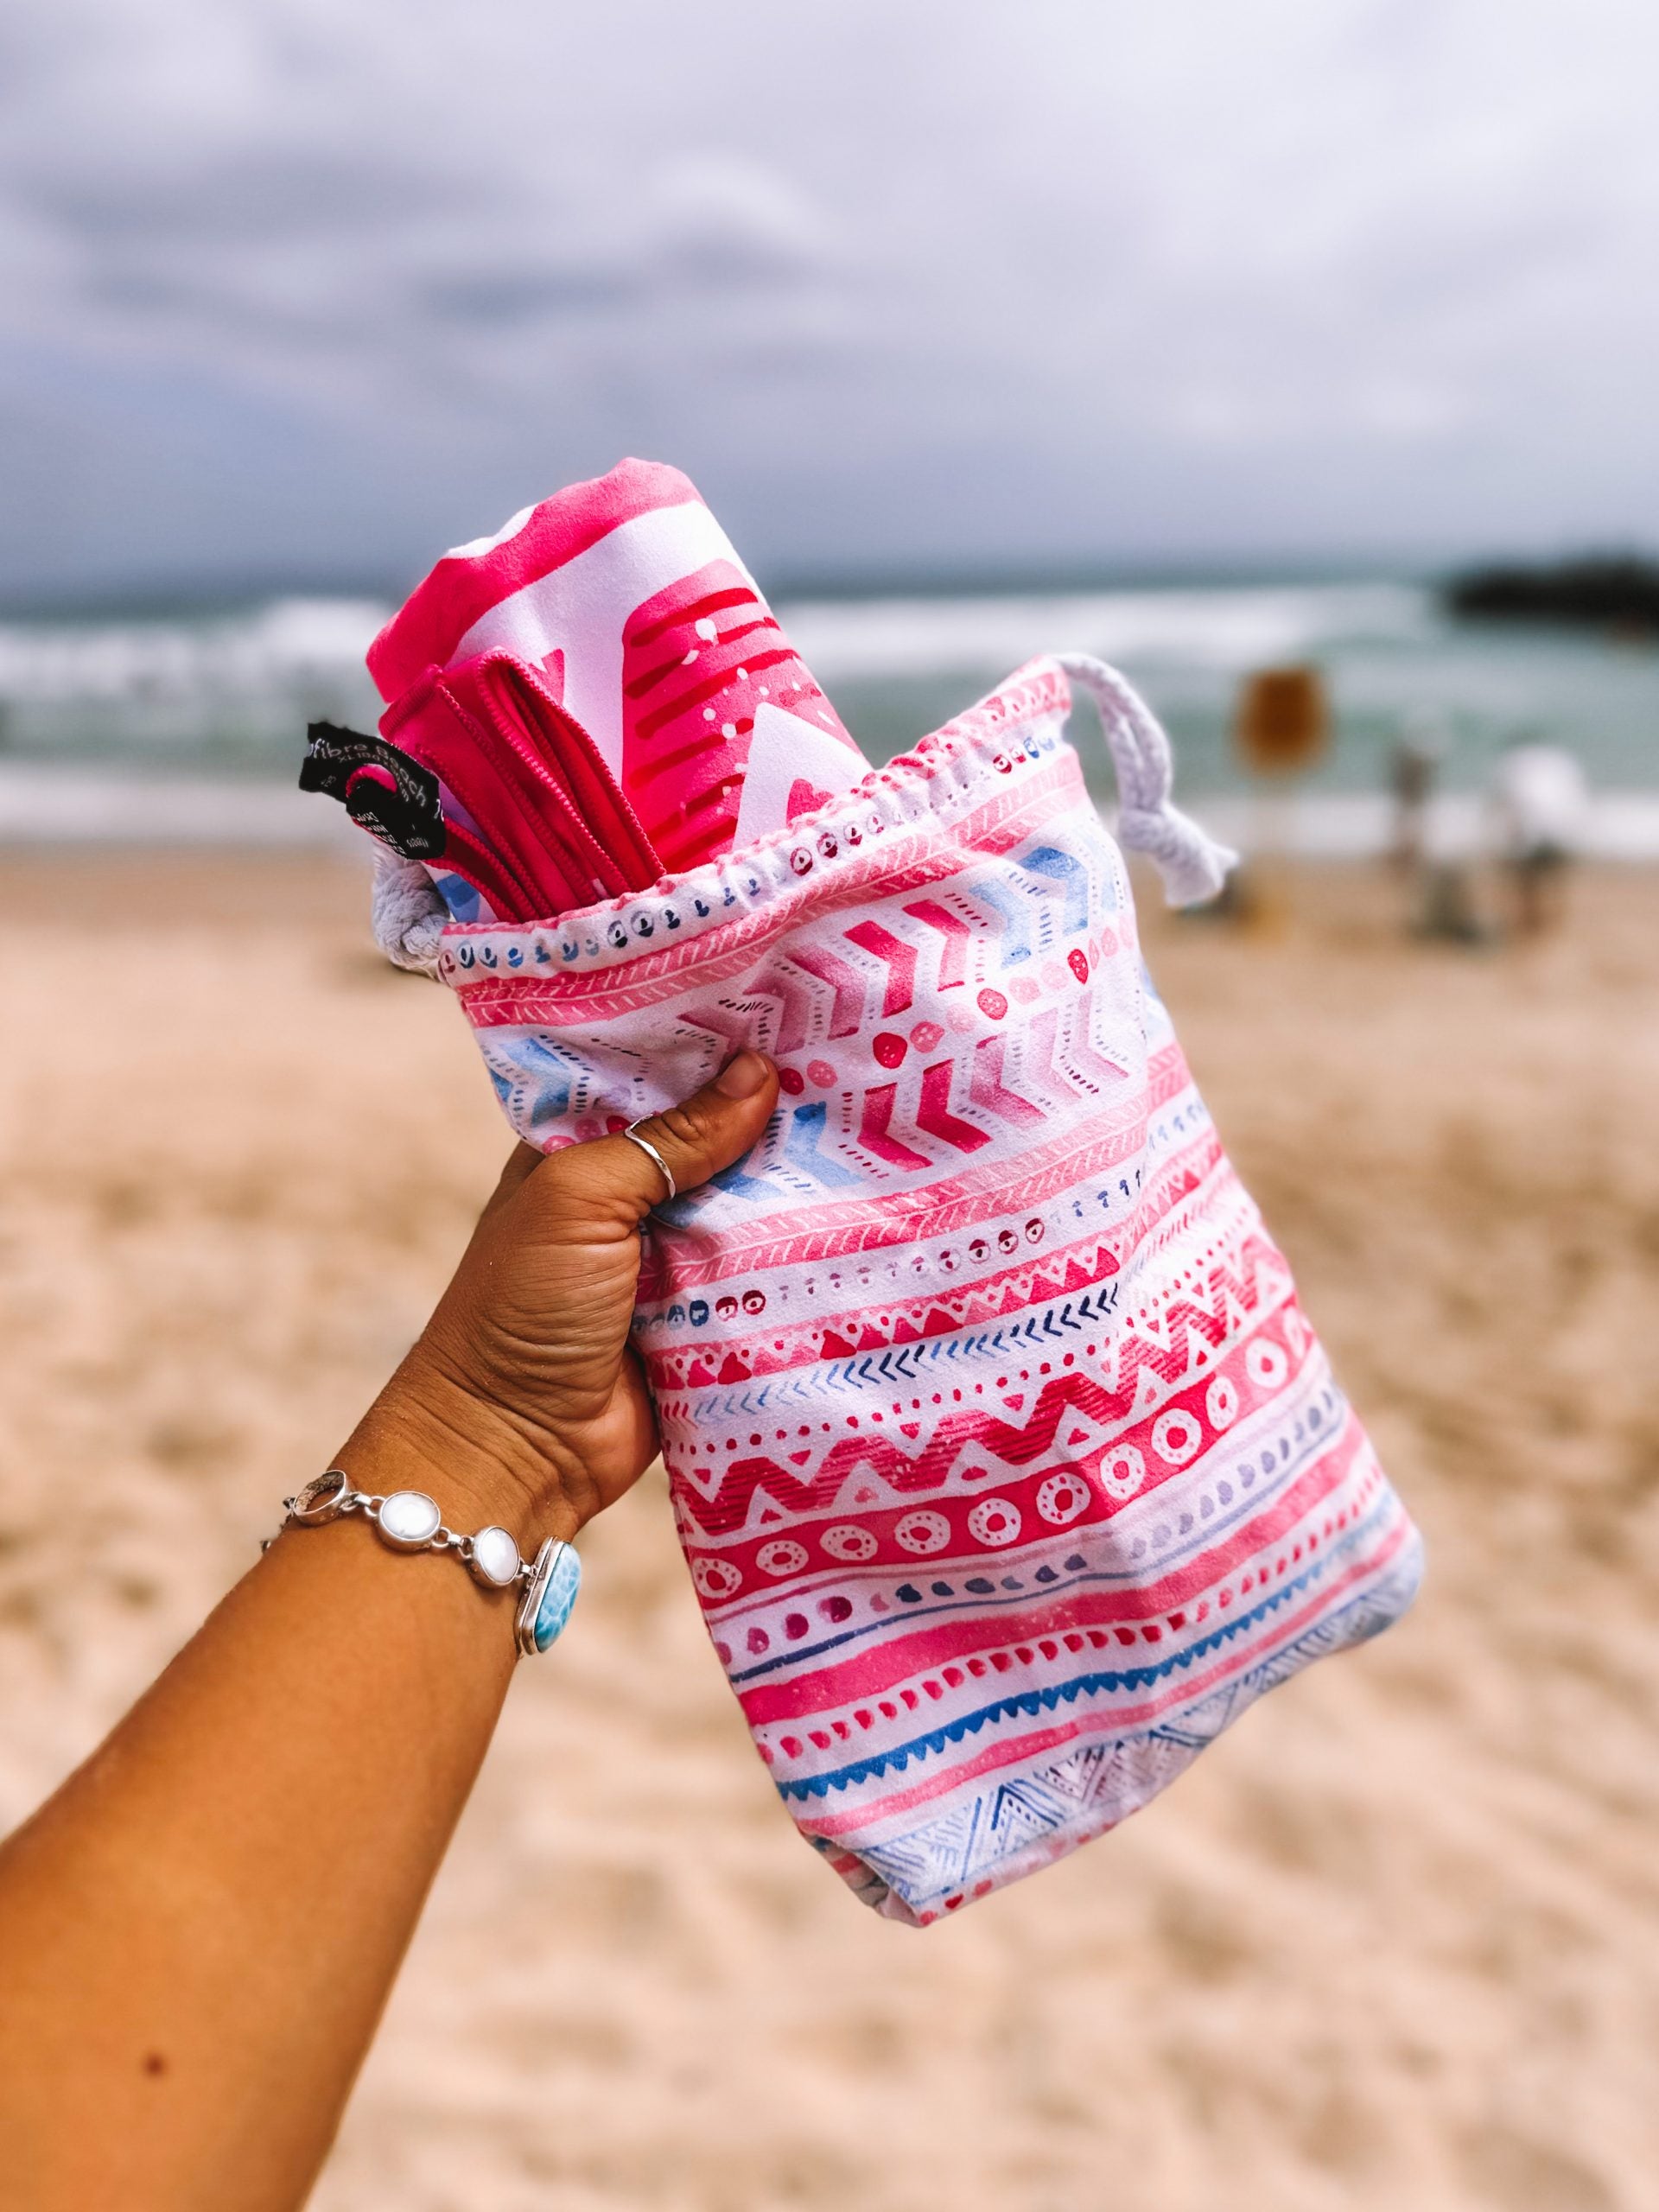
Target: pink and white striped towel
628 601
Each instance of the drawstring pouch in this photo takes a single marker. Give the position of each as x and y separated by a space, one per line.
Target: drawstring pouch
1007 1469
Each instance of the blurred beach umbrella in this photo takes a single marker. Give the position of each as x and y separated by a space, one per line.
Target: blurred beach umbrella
1281 724
1283 721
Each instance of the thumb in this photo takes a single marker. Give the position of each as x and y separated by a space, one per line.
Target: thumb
714 1127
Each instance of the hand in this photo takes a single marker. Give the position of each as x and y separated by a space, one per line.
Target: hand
522 1394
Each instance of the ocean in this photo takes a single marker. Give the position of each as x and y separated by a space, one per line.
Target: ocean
190 727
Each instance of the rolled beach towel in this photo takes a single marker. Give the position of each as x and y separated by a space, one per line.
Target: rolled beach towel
627 603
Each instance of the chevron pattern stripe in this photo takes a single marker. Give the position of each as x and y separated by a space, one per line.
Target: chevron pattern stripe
1008 1468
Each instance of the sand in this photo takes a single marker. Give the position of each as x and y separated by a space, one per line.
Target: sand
1392 1943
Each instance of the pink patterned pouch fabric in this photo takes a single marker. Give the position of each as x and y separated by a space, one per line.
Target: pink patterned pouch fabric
1007 1467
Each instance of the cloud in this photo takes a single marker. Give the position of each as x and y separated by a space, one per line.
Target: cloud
723 220
923 283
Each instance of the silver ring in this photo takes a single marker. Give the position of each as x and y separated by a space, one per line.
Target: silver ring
654 1156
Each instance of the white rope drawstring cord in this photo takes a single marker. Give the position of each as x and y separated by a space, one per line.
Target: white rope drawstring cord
406 912
1192 865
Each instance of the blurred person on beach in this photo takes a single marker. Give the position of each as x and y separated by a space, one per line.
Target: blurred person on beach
1538 800
1413 764
1426 849
200 1929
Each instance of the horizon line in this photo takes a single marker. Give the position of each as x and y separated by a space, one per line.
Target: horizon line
187 594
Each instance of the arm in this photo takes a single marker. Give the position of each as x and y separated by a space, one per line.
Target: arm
199 1931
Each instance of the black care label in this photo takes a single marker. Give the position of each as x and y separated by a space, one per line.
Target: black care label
394 797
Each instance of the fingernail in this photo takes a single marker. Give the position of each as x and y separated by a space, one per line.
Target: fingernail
743 1077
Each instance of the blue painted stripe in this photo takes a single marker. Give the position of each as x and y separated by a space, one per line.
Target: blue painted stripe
1032 1703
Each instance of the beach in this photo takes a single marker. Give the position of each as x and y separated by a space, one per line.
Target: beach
1393 1942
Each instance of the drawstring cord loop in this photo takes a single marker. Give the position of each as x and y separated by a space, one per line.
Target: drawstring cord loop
406 912
1192 865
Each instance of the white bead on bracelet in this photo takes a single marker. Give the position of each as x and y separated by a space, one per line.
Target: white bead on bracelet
408 1521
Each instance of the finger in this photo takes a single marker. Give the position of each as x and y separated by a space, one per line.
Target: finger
520 1162
714 1127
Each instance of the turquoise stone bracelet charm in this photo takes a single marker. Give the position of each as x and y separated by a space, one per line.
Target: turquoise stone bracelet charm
554 1579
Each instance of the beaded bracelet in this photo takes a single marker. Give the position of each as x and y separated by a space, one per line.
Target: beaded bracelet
408 1521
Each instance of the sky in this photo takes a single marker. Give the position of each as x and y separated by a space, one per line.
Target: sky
302 292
